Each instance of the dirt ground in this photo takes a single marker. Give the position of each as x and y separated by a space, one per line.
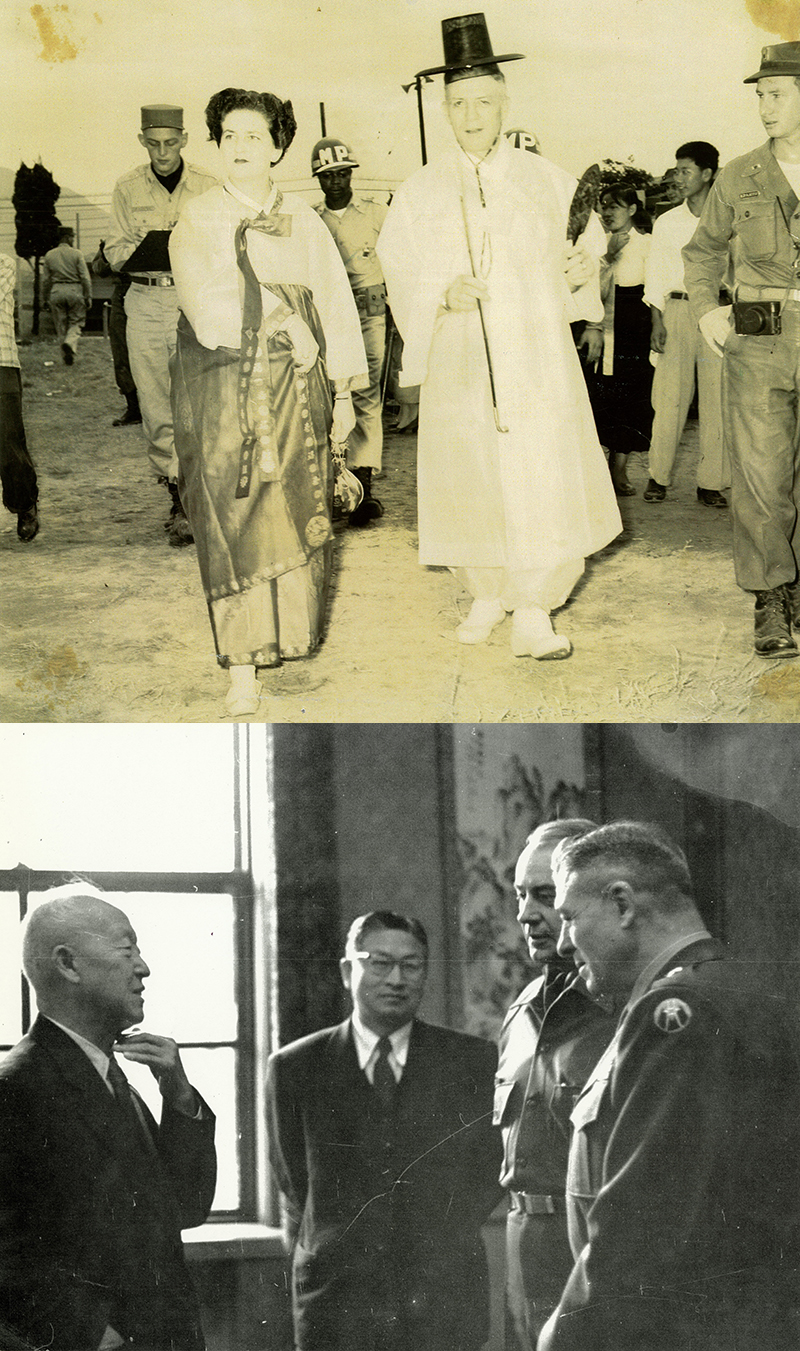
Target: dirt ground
101 621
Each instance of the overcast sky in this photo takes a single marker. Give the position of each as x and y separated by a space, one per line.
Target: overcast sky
602 77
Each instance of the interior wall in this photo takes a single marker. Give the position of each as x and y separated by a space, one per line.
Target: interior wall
507 781
388 790
710 787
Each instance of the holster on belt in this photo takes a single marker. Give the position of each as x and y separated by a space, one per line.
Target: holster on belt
370 300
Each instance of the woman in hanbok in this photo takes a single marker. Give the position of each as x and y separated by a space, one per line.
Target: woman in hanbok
269 348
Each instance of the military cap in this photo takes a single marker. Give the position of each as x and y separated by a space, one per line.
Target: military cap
783 59
162 115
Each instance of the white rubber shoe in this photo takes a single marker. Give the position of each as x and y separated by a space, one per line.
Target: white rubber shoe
532 635
484 616
244 696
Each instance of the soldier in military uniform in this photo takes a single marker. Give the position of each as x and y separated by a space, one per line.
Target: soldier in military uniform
145 206
683 1187
752 213
355 223
551 1038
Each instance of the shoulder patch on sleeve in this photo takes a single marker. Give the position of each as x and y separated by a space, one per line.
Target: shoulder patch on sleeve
672 1015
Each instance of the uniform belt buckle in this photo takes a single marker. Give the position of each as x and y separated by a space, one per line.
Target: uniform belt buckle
163 281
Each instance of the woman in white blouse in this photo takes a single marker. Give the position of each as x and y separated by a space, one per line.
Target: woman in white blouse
269 348
620 374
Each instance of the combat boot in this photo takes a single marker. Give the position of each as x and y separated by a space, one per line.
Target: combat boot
773 628
132 414
369 509
179 531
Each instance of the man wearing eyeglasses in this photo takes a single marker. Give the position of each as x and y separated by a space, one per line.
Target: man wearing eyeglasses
383 1151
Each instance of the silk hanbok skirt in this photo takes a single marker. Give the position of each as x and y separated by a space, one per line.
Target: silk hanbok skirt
265 554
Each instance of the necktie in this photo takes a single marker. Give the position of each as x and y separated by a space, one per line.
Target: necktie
383 1080
124 1100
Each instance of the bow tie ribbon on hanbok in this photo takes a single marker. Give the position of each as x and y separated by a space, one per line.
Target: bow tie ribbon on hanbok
271 223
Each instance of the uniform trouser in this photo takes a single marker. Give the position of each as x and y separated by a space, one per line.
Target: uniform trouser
538 1262
117 336
68 308
545 588
152 323
365 442
760 390
16 467
685 351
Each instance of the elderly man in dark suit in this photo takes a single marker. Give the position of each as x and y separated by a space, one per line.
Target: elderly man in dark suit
94 1192
387 1165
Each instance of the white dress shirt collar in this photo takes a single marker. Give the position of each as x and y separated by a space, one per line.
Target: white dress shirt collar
98 1058
366 1043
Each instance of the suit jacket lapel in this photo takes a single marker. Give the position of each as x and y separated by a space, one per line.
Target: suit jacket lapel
85 1096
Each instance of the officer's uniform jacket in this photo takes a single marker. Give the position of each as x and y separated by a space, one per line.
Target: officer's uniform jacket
140 204
741 214
546 1053
356 232
683 1188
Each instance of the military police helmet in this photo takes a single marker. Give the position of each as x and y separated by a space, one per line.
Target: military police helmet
523 140
330 153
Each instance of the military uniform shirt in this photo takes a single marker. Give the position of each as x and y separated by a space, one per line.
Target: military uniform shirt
742 215
355 232
140 204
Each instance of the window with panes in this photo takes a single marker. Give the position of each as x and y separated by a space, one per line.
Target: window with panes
159 817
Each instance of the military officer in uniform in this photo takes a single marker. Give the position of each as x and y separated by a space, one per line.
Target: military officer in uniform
551 1038
355 223
683 1187
145 206
752 213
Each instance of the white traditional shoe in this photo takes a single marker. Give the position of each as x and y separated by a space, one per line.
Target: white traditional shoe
532 635
244 695
484 616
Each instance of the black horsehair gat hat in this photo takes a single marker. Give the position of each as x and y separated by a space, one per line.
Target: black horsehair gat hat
784 59
467 49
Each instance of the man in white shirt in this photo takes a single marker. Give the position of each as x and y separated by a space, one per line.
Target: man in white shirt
682 353
387 1164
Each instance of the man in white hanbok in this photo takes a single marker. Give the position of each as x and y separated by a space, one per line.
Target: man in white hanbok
513 491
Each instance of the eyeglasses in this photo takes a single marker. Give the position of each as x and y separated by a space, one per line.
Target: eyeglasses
380 965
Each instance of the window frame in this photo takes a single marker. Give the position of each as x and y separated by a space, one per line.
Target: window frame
254 926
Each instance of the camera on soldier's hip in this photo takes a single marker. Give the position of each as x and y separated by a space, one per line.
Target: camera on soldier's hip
757 316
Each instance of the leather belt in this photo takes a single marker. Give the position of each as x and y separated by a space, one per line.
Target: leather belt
530 1204
166 279
677 295
370 300
766 293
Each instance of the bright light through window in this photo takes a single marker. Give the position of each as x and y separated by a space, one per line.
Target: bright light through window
140 798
